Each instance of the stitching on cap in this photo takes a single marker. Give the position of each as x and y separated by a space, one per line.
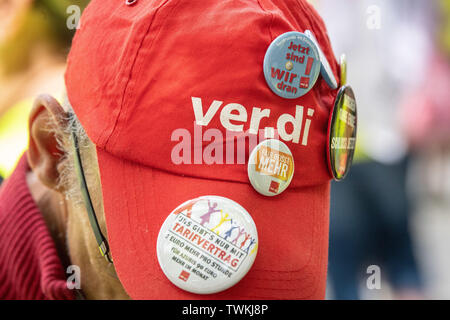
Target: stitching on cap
132 69
139 66
104 97
271 19
307 16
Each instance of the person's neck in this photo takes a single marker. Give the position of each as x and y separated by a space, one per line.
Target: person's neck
53 209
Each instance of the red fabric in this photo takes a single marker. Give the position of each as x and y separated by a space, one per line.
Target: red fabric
292 230
132 75
132 72
29 264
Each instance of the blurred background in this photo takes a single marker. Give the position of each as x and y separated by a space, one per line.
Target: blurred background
35 38
390 218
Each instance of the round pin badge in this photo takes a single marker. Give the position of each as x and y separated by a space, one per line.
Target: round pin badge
270 167
342 133
291 65
325 69
207 245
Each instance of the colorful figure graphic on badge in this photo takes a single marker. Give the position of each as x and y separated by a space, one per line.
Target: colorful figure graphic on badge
228 233
252 241
241 231
212 208
223 219
254 249
247 236
188 206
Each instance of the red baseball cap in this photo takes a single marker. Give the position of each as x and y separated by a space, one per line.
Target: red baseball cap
139 76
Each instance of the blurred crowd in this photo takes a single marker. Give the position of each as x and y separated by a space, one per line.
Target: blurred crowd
393 209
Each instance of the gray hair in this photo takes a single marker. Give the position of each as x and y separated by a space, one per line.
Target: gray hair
68 179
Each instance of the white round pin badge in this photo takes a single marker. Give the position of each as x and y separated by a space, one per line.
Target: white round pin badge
270 167
207 245
291 65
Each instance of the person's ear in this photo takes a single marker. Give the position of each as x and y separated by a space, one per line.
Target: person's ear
47 117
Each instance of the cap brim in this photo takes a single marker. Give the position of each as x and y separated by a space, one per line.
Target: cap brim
292 229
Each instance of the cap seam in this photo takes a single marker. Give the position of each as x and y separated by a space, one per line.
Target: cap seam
103 134
271 19
133 66
302 7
